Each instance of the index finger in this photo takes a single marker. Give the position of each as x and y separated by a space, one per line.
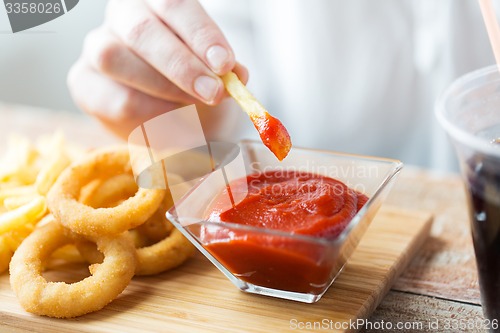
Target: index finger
193 25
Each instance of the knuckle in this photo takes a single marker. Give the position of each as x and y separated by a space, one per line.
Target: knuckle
167 5
138 28
118 110
179 67
203 34
105 56
95 100
101 50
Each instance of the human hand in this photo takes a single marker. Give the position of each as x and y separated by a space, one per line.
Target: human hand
149 57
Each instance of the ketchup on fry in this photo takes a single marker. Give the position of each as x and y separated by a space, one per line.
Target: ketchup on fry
289 201
273 134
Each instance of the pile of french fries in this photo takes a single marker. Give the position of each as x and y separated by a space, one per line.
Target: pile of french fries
27 172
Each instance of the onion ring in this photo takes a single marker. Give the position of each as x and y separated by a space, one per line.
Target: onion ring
168 253
166 247
60 299
63 201
139 239
68 253
109 192
157 227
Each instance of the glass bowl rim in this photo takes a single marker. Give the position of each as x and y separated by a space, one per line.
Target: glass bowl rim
396 168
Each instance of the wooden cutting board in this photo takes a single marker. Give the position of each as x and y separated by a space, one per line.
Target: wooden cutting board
198 298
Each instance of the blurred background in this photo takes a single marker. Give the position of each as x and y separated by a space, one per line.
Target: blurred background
34 63
357 76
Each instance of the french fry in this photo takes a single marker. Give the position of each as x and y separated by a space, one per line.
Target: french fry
27 213
20 191
50 171
27 172
45 220
5 255
10 184
272 132
9 243
47 145
14 237
19 163
12 203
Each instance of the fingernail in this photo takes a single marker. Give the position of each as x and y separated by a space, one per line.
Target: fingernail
217 57
206 87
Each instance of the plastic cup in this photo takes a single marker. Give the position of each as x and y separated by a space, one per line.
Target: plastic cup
469 111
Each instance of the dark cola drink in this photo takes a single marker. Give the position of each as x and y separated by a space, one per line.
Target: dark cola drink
483 184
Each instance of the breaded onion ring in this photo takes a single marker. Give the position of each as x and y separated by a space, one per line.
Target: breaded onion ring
157 227
106 193
63 201
164 255
60 299
111 192
168 253
167 247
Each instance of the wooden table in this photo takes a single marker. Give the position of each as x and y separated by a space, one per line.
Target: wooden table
441 283
439 286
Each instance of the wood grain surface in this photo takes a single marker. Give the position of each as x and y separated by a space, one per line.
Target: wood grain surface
446 266
197 298
426 314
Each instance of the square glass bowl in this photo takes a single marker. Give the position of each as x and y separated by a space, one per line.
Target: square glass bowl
272 262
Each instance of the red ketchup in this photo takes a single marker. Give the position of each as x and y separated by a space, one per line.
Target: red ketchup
288 201
273 134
